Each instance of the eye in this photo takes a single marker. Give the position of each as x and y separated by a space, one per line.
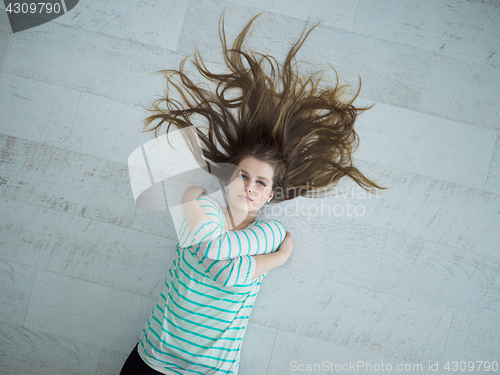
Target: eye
242 175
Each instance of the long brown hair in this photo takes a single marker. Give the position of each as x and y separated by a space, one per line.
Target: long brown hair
304 132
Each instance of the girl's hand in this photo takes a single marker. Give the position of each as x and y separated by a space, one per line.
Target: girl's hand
192 193
286 247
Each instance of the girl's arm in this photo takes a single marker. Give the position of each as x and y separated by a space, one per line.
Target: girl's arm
203 219
240 269
266 262
237 271
261 238
192 210
244 269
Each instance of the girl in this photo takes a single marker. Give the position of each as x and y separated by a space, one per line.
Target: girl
283 144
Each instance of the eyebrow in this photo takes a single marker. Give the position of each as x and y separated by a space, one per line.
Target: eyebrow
257 176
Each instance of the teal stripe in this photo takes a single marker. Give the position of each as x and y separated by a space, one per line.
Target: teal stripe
187 341
238 274
234 285
210 202
183 232
171 355
194 333
151 329
249 268
209 268
220 299
239 270
228 264
239 243
199 293
208 295
209 234
183 278
185 319
199 263
265 236
257 238
281 229
272 232
199 304
249 244
203 226
207 250
212 286
207 205
180 358
194 322
187 352
196 313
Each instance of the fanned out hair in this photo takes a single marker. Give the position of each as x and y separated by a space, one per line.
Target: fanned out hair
305 133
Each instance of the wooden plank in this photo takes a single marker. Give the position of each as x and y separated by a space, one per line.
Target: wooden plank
91 62
85 249
37 111
340 313
423 144
473 338
107 128
16 284
112 361
338 14
334 249
23 350
462 91
87 312
256 349
390 73
297 353
155 23
460 29
65 181
493 179
439 274
416 205
5 36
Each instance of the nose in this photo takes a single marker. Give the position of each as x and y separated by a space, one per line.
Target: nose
248 184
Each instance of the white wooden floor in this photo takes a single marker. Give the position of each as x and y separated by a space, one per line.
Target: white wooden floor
410 277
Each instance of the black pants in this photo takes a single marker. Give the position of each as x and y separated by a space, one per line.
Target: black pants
134 365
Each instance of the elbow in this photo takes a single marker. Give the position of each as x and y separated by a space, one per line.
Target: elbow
211 254
211 246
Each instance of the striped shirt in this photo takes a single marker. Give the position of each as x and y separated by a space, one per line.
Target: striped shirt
199 320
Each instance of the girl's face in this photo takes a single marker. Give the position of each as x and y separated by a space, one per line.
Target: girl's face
253 178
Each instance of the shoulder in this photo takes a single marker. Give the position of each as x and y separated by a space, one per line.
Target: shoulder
207 199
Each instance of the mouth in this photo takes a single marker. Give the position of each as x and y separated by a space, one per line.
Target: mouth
245 198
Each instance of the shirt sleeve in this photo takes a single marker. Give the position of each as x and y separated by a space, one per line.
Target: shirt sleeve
214 242
227 272
234 264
